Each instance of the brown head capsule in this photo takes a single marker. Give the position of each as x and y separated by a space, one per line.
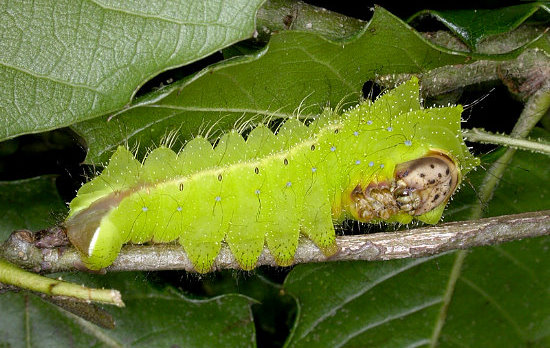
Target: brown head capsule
423 184
417 187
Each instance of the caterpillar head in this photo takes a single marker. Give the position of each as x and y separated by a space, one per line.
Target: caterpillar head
417 188
423 184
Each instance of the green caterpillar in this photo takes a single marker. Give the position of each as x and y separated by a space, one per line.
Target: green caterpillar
390 160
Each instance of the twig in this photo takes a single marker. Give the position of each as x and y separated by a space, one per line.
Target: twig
417 242
537 105
482 136
13 275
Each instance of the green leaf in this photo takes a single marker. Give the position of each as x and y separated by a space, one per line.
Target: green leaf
501 297
63 62
31 204
366 304
472 26
152 317
297 70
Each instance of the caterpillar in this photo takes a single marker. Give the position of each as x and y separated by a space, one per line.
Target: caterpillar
389 160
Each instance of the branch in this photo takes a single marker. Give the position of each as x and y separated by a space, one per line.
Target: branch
417 242
524 76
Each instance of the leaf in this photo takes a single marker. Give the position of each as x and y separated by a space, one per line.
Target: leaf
69 61
152 317
297 72
31 204
472 26
500 299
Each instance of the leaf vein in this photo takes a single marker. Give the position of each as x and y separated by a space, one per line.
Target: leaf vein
163 19
390 318
496 305
362 292
45 77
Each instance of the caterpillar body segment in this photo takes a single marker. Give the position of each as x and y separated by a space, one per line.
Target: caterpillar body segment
389 161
